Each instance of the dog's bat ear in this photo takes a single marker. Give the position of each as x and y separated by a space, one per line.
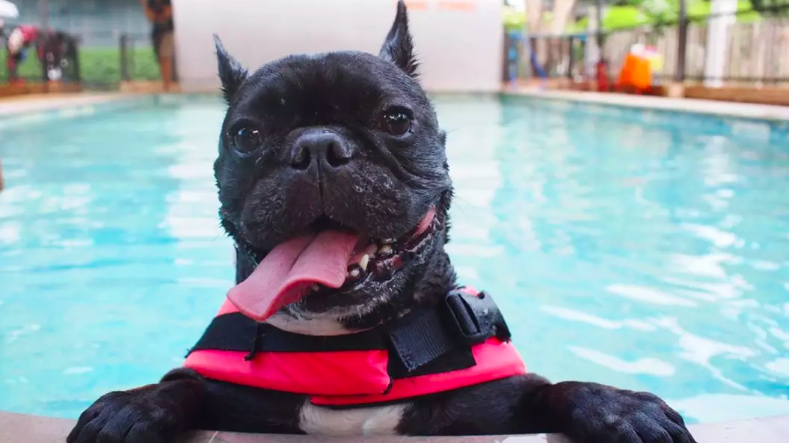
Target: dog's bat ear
398 47
231 72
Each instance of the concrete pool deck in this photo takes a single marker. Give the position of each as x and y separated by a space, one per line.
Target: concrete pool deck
19 428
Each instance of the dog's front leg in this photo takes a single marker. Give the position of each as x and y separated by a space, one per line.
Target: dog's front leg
594 413
155 413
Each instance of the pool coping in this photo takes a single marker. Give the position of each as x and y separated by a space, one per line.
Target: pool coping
37 110
23 112
11 107
48 103
22 428
715 108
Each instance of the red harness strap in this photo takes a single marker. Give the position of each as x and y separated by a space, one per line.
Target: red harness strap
346 374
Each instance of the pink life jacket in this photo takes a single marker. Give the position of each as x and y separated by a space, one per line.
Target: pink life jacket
462 342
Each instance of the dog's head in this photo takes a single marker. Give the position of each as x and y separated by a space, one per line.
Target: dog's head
333 182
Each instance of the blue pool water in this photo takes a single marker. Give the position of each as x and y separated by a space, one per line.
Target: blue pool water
647 251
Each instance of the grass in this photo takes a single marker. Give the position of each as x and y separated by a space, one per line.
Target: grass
98 66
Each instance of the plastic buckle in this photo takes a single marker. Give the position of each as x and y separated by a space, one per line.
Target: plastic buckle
470 315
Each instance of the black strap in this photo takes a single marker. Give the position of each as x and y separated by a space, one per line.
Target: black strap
237 332
425 341
420 337
430 341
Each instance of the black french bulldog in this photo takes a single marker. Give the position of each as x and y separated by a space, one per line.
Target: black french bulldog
347 144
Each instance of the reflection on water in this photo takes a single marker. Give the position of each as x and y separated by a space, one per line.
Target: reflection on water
643 256
111 258
651 257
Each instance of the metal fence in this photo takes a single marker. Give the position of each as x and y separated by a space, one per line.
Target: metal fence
125 57
757 50
98 62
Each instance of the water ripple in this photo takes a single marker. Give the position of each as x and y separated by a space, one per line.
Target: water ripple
627 252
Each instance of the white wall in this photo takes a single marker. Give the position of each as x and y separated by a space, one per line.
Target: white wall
459 42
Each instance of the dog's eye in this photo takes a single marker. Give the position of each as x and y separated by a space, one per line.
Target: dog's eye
396 122
247 139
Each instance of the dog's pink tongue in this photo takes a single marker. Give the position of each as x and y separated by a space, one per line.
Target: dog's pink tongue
289 271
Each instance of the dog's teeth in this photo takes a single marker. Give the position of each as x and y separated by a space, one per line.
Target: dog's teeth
355 272
363 262
315 287
388 241
385 249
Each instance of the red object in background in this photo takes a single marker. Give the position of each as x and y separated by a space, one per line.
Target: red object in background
603 83
21 38
29 33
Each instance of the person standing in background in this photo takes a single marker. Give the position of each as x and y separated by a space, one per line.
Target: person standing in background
21 38
160 14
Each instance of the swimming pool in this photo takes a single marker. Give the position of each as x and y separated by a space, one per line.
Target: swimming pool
645 250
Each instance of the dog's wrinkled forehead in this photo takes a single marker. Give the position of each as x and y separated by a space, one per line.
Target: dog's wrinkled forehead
346 82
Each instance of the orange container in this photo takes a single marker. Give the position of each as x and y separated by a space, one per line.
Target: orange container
635 72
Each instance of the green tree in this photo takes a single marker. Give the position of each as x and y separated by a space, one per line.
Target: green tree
771 7
625 14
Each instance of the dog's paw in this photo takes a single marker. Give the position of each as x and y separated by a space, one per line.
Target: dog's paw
605 414
125 417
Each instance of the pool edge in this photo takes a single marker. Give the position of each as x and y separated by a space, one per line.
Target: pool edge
721 109
20 114
22 428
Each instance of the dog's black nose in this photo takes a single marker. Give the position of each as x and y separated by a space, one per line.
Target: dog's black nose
324 148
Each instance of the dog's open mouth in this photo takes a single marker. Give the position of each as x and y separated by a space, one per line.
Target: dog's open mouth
327 258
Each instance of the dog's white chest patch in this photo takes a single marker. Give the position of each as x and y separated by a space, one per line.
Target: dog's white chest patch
371 421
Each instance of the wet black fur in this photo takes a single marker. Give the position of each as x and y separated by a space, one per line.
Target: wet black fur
383 191
390 184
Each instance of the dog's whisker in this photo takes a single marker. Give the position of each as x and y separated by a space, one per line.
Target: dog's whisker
466 202
455 130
